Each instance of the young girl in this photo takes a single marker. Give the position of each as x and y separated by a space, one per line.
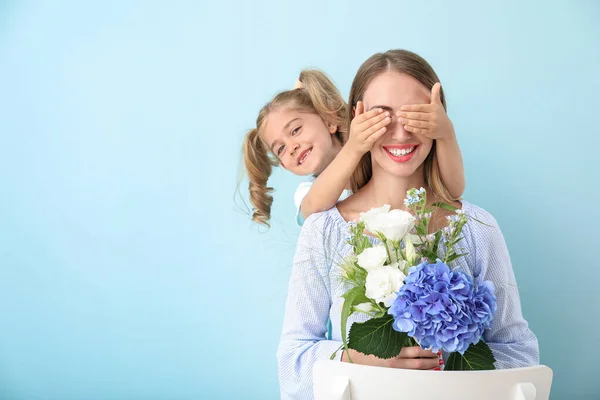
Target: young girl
390 81
304 131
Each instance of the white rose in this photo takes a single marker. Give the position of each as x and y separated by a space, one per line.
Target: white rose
372 257
373 212
392 224
383 283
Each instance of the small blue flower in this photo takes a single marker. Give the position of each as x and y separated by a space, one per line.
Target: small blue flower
453 218
443 309
410 200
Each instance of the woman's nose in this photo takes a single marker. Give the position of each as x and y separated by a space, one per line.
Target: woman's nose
398 131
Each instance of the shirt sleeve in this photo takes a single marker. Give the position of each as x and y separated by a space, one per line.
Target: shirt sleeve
512 342
300 194
306 313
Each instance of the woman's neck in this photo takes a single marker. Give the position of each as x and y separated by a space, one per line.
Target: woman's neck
385 189
389 189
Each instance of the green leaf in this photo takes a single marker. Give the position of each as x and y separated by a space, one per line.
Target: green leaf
352 297
358 240
478 357
366 243
436 242
454 257
445 206
377 337
452 208
360 243
335 352
482 223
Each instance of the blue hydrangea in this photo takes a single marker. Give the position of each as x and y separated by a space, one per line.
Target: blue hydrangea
443 309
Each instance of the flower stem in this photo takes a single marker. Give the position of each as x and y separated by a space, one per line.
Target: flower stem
387 249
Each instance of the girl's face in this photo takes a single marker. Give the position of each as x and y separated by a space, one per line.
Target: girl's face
302 141
398 152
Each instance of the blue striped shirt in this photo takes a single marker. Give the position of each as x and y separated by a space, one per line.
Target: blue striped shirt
316 287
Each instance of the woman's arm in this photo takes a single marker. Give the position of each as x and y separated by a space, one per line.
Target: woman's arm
512 342
306 313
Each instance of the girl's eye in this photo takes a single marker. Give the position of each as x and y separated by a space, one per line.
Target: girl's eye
295 131
280 149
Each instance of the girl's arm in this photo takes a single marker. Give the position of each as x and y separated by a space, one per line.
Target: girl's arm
329 185
365 129
431 120
451 165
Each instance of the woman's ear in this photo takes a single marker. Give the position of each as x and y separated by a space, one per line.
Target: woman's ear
359 108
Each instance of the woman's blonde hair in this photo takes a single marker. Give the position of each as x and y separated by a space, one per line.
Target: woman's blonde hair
409 63
315 93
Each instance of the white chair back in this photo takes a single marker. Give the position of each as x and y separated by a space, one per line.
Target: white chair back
335 380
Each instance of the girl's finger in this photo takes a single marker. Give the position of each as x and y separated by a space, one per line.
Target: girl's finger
364 116
435 94
418 131
360 108
421 116
418 107
415 123
374 120
373 138
376 127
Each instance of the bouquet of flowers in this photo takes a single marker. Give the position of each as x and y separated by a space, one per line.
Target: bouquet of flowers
404 283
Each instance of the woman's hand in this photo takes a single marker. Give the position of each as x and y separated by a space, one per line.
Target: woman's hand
413 357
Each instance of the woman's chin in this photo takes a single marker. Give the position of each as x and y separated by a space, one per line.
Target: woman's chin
404 170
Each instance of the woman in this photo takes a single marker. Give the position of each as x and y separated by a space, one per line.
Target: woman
398 161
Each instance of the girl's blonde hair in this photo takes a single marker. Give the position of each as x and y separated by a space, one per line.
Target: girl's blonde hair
315 93
409 63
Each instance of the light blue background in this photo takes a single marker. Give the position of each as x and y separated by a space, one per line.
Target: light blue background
126 269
